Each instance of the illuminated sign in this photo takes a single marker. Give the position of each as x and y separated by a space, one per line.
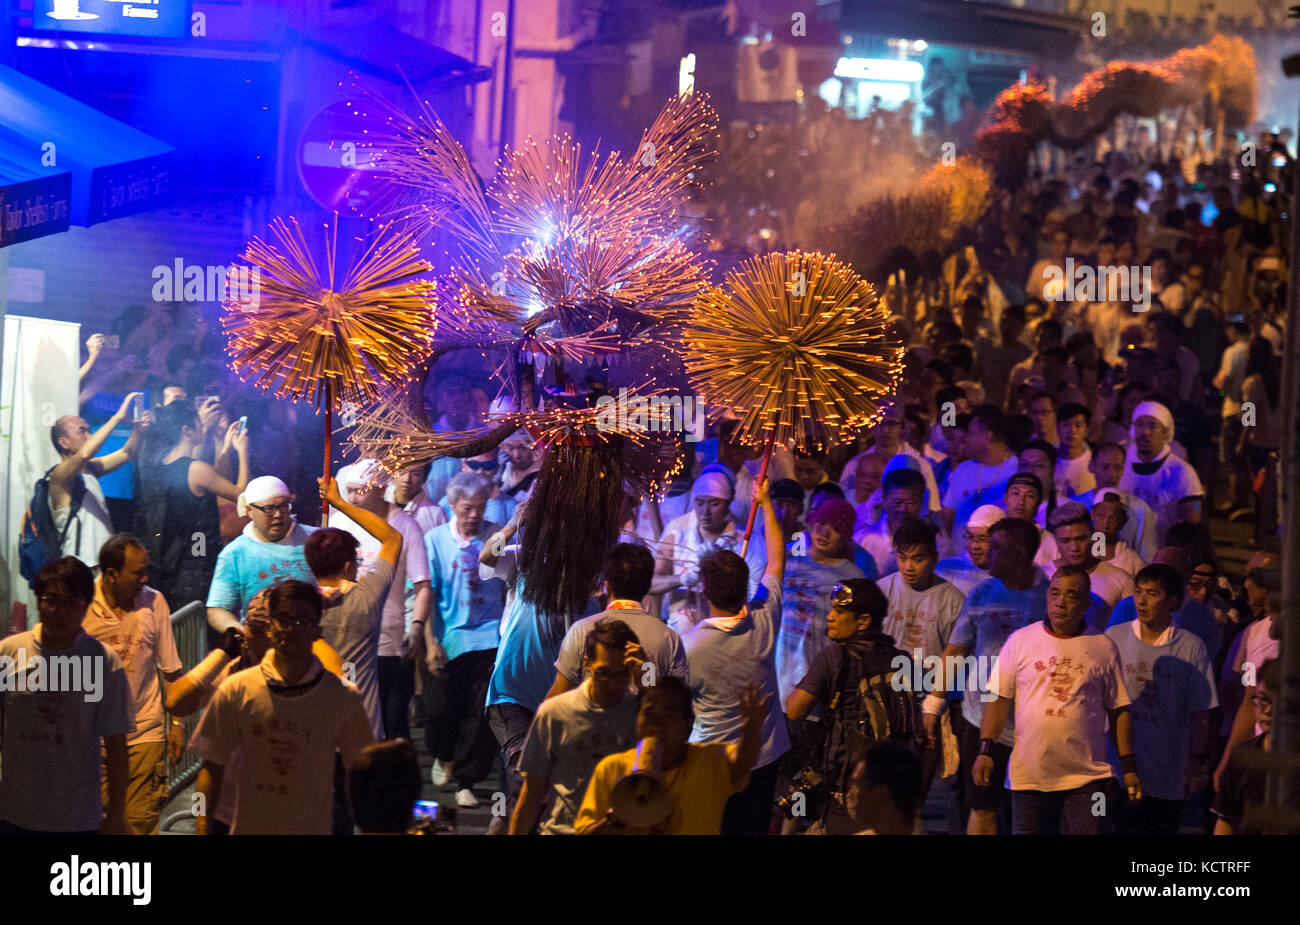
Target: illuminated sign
157 18
889 69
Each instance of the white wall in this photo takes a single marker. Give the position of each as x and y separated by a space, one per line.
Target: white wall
38 383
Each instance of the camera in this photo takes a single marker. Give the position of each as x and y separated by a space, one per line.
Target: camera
809 782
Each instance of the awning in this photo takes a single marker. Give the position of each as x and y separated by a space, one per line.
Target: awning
32 204
382 50
114 170
966 24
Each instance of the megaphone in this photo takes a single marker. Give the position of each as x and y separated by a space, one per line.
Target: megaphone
640 799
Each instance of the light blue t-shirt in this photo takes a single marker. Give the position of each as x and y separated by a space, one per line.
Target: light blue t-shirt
1167 684
993 612
525 664
805 604
466 610
1193 616
723 659
248 565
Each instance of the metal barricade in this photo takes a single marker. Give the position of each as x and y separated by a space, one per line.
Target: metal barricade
190 627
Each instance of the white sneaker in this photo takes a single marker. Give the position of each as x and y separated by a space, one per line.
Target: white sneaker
465 799
440 773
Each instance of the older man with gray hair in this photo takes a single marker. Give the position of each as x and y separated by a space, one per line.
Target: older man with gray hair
461 640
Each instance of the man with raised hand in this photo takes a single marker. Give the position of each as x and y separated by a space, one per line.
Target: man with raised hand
736 644
74 482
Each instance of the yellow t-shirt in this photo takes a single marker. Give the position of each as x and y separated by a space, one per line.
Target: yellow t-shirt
700 787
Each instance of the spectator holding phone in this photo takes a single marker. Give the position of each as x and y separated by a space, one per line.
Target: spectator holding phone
76 501
176 512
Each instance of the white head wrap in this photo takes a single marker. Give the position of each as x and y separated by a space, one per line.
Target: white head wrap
985 516
260 489
712 484
366 472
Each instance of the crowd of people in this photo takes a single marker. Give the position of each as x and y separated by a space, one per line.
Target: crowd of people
1003 604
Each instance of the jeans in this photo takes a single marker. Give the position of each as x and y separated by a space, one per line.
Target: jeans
396 687
456 724
1085 810
509 723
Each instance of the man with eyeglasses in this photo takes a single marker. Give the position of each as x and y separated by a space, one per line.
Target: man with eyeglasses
573 731
1242 786
964 572
269 550
286 717
51 744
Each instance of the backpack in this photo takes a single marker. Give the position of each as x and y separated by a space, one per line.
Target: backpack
40 541
868 707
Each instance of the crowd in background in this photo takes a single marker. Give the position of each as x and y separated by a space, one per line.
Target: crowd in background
1034 509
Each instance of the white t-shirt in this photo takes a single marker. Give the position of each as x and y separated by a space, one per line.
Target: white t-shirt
1126 559
143 640
52 761
287 745
1163 489
412 566
972 484
96 526
920 619
1073 476
1062 689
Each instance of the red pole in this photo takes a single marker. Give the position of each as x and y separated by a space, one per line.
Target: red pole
753 508
329 435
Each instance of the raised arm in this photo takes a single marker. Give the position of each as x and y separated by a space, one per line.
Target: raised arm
75 464
390 538
772 534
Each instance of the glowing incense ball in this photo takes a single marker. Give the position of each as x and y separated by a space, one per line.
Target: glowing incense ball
794 345
306 337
